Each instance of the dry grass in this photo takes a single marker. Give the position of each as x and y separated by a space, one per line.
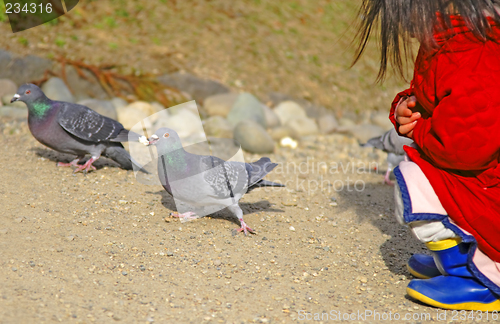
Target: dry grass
299 47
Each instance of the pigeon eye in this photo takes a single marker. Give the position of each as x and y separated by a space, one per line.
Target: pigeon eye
27 92
166 135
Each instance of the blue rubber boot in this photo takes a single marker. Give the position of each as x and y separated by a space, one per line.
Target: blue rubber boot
422 266
457 288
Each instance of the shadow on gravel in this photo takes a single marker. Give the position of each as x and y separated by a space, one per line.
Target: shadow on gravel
66 158
400 244
248 208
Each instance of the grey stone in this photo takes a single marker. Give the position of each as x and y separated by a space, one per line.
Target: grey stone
23 69
160 118
247 107
7 87
198 88
103 107
143 106
364 132
346 122
272 120
84 88
129 116
280 132
303 126
220 104
312 110
157 107
184 122
119 102
223 148
217 126
288 110
8 97
182 107
159 112
253 137
274 98
56 89
382 119
328 124
14 112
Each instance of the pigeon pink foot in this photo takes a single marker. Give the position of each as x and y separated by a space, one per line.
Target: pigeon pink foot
244 227
387 180
73 163
185 216
87 166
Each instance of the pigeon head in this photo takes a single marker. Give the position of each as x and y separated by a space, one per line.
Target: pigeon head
28 93
166 140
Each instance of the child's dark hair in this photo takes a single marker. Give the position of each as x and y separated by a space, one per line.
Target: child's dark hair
400 20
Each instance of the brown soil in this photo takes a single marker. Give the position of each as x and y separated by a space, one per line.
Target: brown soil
101 247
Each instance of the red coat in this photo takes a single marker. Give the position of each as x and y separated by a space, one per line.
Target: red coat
457 87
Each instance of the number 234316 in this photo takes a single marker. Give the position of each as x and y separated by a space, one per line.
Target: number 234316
28 8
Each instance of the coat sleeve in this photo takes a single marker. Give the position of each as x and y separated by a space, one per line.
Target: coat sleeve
402 94
462 132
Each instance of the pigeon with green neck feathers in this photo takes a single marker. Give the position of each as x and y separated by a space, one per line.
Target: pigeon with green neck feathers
75 129
204 184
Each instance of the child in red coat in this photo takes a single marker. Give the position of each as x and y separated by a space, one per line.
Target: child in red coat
448 190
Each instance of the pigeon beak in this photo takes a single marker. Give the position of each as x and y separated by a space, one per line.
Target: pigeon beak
153 139
15 98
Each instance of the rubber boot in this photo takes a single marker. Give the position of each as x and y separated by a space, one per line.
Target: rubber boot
422 266
456 288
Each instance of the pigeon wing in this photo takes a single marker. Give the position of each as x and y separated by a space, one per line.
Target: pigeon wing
87 124
227 179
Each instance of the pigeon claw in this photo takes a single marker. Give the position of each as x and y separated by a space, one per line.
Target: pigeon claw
185 216
244 228
387 180
73 163
87 166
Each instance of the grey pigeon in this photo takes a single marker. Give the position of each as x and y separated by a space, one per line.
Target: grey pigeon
203 184
75 129
393 144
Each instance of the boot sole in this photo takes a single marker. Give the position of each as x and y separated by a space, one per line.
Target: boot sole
494 306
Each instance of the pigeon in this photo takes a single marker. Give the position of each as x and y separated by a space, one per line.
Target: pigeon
75 129
393 144
203 184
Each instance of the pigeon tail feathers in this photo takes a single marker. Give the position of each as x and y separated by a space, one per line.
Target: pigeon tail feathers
122 157
126 136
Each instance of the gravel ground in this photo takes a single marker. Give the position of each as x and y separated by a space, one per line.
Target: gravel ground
102 248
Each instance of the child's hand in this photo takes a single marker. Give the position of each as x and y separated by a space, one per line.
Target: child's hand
406 118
